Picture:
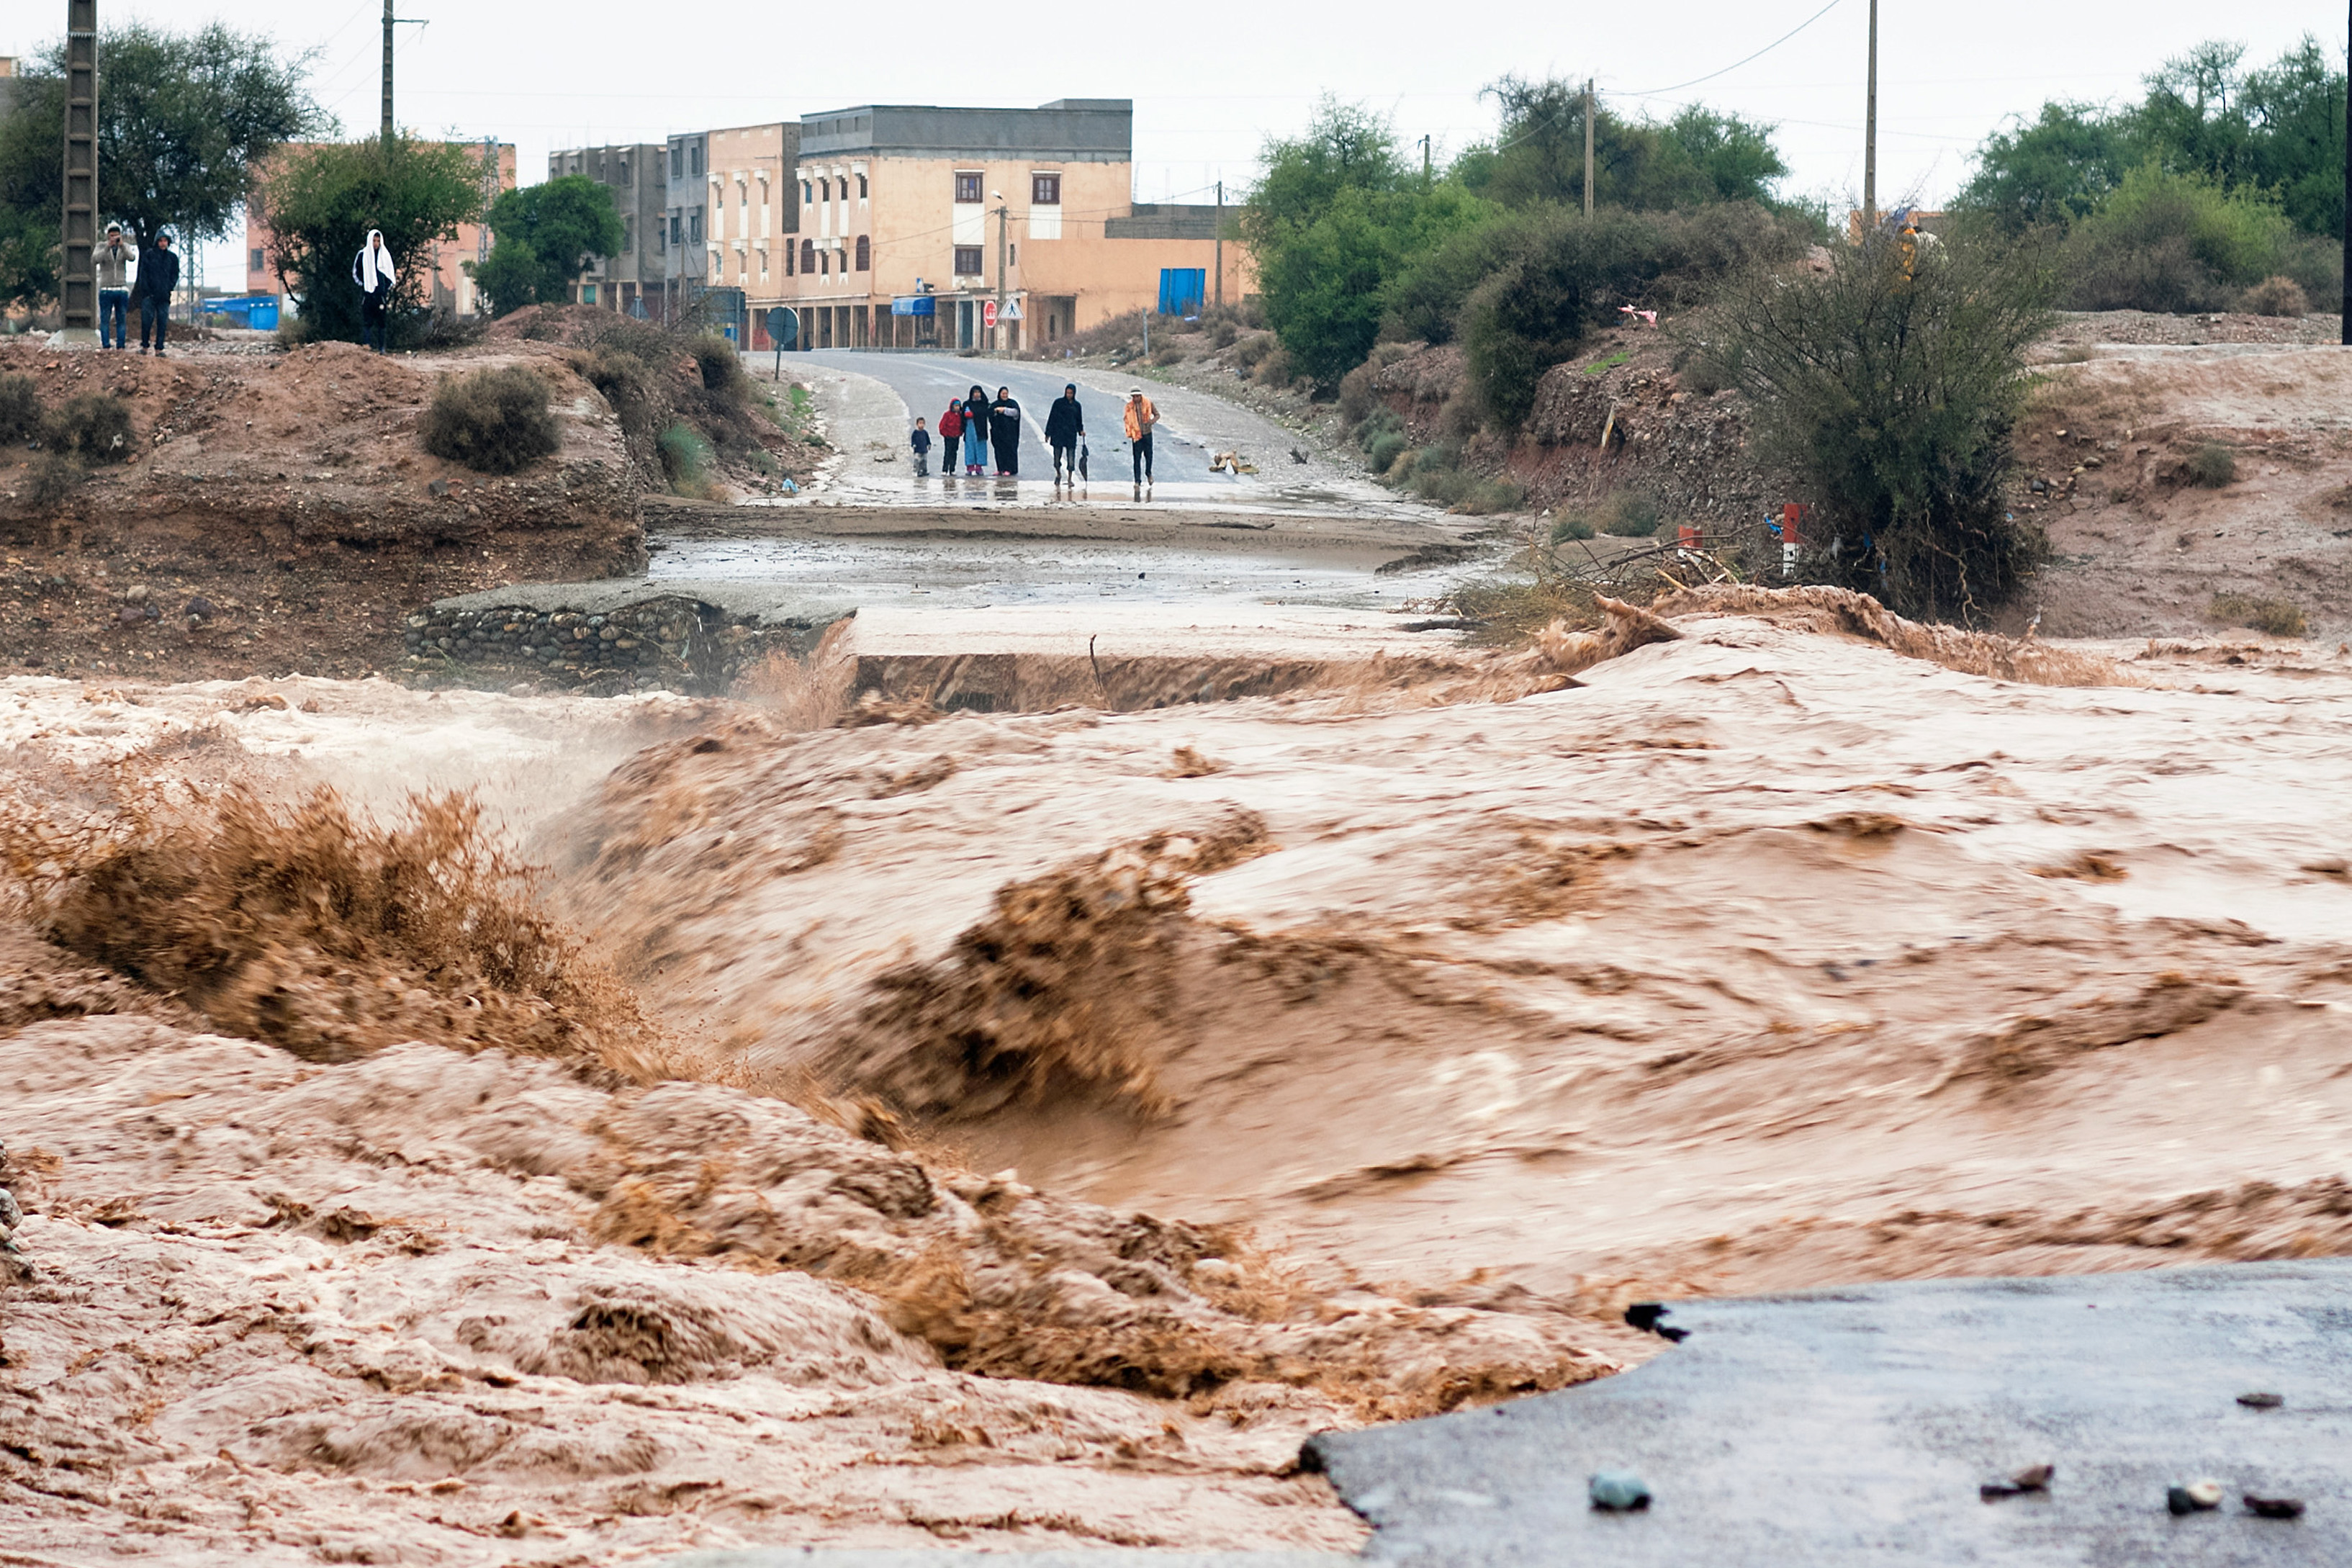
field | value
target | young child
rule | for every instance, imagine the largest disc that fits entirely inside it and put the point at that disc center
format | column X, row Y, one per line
column 952, row 432
column 921, row 441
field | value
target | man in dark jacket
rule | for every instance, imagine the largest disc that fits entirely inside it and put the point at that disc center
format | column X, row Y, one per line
column 159, row 275
column 1066, row 423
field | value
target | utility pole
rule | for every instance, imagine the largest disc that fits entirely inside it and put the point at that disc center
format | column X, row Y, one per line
column 390, row 21
column 1587, row 142
column 1004, row 222
column 1870, row 134
column 77, row 282
column 1424, row 163
column 1220, row 243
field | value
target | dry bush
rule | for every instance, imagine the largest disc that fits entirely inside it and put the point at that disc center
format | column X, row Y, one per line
column 2279, row 617
column 493, row 421
column 2276, row 297
column 95, row 427
column 319, row 930
column 20, row 410
column 2211, row 466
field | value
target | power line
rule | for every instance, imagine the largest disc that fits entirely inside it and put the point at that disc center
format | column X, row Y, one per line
column 1734, row 65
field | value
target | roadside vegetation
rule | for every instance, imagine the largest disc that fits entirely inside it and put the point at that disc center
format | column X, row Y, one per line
column 2221, row 187
column 546, row 234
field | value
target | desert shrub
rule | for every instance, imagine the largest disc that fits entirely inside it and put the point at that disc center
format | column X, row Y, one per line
column 1379, row 422
column 1252, row 349
column 1434, row 474
column 2210, row 465
column 95, row 428
column 1630, row 515
column 1168, row 352
column 49, row 481
column 1706, row 371
column 722, row 367
column 1359, row 394
column 20, row 410
column 1275, row 369
column 1570, row 527
column 1489, row 496
column 2165, row 241
column 493, row 421
column 316, row 929
column 1889, row 395
column 1381, row 455
column 2280, row 618
column 1222, row 333
column 686, row 459
column 2276, row 296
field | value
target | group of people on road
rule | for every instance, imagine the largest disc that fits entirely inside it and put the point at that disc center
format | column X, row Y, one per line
column 978, row 424
column 125, row 276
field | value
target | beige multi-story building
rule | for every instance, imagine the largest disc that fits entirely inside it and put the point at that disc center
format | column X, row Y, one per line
column 734, row 208
column 919, row 218
column 629, row 280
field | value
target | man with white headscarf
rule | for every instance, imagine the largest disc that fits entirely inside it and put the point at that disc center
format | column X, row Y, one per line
column 372, row 270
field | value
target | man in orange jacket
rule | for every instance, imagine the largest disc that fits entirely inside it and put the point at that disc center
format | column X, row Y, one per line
column 1140, row 417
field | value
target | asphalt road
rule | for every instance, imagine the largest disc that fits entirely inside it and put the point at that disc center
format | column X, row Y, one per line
column 928, row 382
column 1839, row 1428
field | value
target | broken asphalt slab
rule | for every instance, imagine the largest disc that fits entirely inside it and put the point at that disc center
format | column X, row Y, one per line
column 1855, row 1426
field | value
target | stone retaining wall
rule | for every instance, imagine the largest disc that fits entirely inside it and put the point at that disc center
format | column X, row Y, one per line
column 669, row 642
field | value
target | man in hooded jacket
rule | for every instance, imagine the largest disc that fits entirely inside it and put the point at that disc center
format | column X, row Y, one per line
column 1065, row 425
column 159, row 275
column 117, row 261
column 372, row 270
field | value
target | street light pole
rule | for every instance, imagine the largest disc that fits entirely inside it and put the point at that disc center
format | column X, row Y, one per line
column 1870, row 134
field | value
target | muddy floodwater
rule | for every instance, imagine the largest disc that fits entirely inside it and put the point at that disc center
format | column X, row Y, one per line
column 1023, row 1128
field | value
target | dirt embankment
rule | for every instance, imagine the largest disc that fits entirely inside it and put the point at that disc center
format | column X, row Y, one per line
column 2125, row 401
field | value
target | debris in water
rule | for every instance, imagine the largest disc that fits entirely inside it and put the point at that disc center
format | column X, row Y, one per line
column 2274, row 1507
column 1620, row 1490
column 2194, row 1498
column 2262, row 1401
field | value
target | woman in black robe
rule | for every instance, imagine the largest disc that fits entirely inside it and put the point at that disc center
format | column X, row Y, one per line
column 975, row 432
column 1004, row 433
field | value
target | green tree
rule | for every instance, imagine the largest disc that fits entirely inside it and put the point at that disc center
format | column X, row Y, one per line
column 1886, row 391
column 2279, row 130
column 1699, row 156
column 183, row 117
column 548, row 235
column 322, row 201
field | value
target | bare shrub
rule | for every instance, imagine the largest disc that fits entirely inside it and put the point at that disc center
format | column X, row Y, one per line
column 2211, row 466
column 20, row 410
column 95, row 428
column 1274, row 369
column 493, row 421
column 721, row 366
column 2276, row 296
column 2279, row 617
column 319, row 930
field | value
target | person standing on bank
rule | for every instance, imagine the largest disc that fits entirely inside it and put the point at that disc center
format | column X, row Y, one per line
column 1004, row 433
column 118, row 269
column 950, row 438
column 372, row 270
column 921, row 441
column 159, row 275
column 1140, row 417
column 975, row 433
column 1066, row 423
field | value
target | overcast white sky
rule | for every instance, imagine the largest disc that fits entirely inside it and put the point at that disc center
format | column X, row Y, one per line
column 1210, row 80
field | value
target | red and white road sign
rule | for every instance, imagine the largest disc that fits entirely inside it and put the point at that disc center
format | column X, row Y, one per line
column 988, row 313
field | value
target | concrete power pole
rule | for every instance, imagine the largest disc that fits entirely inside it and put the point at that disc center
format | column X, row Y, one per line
column 1003, row 223
column 1870, row 134
column 1221, row 243
column 388, row 20
column 78, row 282
column 1587, row 142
